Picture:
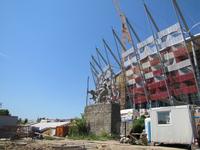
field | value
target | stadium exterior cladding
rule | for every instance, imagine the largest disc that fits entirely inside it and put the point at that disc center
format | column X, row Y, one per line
column 160, row 72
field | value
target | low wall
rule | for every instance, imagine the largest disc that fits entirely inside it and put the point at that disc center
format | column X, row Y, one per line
column 8, row 126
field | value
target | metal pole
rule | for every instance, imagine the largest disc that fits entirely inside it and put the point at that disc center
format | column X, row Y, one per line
column 87, row 90
column 118, row 62
column 195, row 66
column 122, row 62
column 178, row 11
column 95, row 70
column 138, row 62
column 97, row 64
column 104, row 60
column 158, row 52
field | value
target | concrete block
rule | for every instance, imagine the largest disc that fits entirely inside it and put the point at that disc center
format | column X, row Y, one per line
column 103, row 118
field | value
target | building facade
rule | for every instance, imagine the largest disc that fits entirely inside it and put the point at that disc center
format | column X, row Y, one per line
column 160, row 70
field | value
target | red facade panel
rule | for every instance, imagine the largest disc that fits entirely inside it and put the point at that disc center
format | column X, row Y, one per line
column 139, row 90
column 155, row 85
column 185, row 90
column 140, row 100
column 155, row 61
column 185, row 77
column 158, row 72
column 159, row 96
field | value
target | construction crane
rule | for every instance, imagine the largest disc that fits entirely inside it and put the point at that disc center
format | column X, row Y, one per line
column 124, row 38
column 125, row 33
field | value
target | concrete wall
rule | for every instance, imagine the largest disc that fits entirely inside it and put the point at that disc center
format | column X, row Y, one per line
column 103, row 118
column 8, row 121
column 8, row 126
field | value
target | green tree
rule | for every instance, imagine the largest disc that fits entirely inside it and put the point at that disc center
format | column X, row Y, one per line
column 25, row 121
column 4, row 112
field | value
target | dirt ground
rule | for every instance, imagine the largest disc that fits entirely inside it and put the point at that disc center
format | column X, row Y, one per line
column 66, row 144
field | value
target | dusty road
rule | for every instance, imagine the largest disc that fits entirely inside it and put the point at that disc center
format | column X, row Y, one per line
column 66, row 144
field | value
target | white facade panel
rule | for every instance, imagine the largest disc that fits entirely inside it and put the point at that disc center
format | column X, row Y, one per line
column 169, row 56
column 128, row 52
column 127, row 63
column 131, row 82
column 179, row 65
column 148, row 75
column 146, row 65
column 129, row 72
column 133, row 60
column 170, row 36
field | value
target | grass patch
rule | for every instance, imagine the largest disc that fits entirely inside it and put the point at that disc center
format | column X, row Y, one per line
column 49, row 138
column 52, row 138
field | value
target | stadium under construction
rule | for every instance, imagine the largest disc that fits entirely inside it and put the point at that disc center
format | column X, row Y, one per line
column 162, row 70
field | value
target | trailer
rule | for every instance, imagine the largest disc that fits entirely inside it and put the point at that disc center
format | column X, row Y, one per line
column 173, row 125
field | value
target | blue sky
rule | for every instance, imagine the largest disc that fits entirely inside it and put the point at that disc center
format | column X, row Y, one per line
column 45, row 47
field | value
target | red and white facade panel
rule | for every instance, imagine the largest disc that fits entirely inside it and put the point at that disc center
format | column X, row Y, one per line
column 171, row 78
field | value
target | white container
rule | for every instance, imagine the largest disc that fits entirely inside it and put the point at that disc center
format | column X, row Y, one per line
column 172, row 125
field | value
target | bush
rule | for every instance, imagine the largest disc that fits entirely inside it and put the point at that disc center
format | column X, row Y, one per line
column 78, row 127
column 138, row 125
column 80, row 130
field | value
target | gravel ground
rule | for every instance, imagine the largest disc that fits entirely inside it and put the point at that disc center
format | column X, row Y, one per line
column 66, row 144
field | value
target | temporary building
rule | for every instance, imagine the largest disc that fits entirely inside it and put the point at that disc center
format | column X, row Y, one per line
column 52, row 128
column 172, row 125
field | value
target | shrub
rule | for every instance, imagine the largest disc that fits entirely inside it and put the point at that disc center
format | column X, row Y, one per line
column 138, row 125
column 78, row 127
column 80, row 130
